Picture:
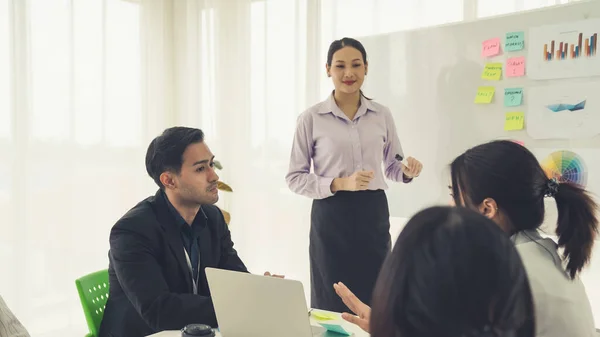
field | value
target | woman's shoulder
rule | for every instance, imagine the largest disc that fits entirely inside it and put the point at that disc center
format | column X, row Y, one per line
column 321, row 107
column 379, row 108
column 308, row 115
column 376, row 106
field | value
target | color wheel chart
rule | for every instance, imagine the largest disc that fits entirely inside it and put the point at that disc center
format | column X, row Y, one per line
column 566, row 166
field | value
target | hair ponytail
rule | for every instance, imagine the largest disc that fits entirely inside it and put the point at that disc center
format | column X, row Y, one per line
column 577, row 225
column 511, row 175
column 363, row 95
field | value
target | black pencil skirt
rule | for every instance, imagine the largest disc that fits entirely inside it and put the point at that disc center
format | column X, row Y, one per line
column 349, row 239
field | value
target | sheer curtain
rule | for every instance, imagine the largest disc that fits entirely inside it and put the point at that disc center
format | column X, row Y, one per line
column 85, row 85
column 72, row 138
column 240, row 74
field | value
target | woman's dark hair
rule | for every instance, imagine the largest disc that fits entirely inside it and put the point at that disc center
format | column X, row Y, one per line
column 452, row 273
column 511, row 175
column 347, row 42
column 165, row 152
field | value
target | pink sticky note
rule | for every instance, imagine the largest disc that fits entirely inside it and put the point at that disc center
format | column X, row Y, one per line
column 515, row 66
column 519, row 142
column 491, row 47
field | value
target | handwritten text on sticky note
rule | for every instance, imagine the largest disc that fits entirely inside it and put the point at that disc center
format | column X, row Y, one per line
column 515, row 41
column 484, row 95
column 335, row 328
column 492, row 71
column 514, row 121
column 490, row 47
column 513, row 96
column 515, row 66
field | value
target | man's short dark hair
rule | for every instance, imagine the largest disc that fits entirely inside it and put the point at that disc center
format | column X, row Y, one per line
column 165, row 152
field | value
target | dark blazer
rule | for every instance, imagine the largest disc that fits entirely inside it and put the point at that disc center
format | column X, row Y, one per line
column 150, row 281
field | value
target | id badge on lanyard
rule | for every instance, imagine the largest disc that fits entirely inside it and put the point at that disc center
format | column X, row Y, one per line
column 189, row 263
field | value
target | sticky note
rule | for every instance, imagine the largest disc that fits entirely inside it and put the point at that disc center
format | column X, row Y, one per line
column 492, row 71
column 514, row 121
column 515, row 66
column 490, row 47
column 519, row 142
column 484, row 95
column 513, row 96
column 514, row 41
column 321, row 316
column 335, row 328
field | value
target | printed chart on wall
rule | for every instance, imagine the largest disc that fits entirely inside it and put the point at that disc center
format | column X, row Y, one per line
column 576, row 165
column 564, row 50
column 564, row 111
column 566, row 166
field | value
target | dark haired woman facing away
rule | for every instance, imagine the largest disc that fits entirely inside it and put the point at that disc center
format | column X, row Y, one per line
column 346, row 138
column 452, row 273
column 503, row 181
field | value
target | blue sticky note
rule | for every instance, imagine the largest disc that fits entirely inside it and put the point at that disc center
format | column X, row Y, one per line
column 335, row 328
column 513, row 96
column 514, row 41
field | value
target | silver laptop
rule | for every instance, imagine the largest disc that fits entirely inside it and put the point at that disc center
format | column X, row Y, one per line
column 259, row 306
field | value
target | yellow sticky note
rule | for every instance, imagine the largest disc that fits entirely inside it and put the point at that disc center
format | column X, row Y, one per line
column 321, row 316
column 484, row 95
column 492, row 71
column 514, row 121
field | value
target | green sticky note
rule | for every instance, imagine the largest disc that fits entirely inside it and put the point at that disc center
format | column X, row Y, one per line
column 514, row 41
column 513, row 96
column 514, row 121
column 484, row 95
column 335, row 328
column 492, row 72
column 321, row 316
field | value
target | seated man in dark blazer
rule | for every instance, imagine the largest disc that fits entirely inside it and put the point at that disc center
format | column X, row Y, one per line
column 160, row 248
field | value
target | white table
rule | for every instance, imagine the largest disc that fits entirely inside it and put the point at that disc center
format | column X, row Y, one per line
column 357, row 332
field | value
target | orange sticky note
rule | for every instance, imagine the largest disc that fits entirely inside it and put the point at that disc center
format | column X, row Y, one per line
column 491, row 47
column 515, row 66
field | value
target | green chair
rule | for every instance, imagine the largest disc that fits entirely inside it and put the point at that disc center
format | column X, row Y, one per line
column 93, row 294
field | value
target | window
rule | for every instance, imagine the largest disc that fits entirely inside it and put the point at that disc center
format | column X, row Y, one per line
column 207, row 73
column 5, row 75
column 7, row 250
column 257, row 73
column 51, row 71
column 487, row 8
column 357, row 18
column 85, row 59
column 88, row 71
column 277, row 72
column 123, row 78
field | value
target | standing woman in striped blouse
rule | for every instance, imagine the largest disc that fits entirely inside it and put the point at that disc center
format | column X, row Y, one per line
column 347, row 137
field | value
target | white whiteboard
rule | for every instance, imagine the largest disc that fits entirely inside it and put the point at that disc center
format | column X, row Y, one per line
column 429, row 78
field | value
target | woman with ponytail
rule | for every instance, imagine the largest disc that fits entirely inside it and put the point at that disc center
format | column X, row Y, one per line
column 504, row 181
